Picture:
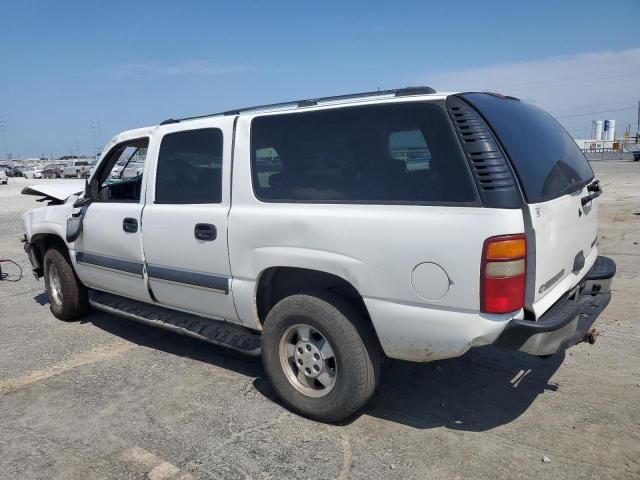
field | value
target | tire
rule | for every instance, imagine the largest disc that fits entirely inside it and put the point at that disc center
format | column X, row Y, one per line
column 67, row 297
column 356, row 364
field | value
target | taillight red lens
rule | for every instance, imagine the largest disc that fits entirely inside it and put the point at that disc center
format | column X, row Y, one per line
column 503, row 274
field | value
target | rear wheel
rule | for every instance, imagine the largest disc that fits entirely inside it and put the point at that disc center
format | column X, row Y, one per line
column 67, row 295
column 320, row 355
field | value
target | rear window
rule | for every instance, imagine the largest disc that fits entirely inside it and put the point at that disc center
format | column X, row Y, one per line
column 399, row 153
column 547, row 160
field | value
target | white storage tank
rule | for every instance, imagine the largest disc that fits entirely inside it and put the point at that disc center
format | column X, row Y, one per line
column 610, row 128
column 597, row 130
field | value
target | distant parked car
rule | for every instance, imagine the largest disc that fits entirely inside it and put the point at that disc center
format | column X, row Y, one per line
column 31, row 172
column 13, row 171
column 53, row 170
column 3, row 177
column 636, row 155
column 77, row 168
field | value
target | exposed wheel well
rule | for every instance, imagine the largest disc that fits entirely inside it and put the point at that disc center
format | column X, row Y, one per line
column 42, row 243
column 277, row 283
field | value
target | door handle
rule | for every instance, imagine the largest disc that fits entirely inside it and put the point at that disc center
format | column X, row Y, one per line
column 205, row 231
column 130, row 225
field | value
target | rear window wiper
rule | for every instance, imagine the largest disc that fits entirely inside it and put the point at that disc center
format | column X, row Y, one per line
column 596, row 191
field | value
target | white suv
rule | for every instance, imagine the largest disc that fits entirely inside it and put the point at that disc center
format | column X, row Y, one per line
column 327, row 233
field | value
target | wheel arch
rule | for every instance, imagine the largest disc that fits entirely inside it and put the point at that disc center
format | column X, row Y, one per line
column 277, row 282
column 43, row 242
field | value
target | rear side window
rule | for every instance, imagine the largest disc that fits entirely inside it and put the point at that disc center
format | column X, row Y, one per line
column 397, row 153
column 190, row 167
column 548, row 162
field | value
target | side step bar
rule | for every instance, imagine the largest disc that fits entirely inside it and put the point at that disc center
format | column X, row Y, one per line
column 217, row 332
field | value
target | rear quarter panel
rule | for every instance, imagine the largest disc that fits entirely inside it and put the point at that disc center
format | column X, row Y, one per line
column 375, row 248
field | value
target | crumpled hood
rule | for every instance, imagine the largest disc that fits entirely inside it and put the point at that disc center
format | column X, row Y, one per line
column 57, row 190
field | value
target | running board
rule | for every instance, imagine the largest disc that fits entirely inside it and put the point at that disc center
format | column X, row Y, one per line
column 217, row 332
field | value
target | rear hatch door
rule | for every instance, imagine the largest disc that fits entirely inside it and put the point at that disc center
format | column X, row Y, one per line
column 557, row 183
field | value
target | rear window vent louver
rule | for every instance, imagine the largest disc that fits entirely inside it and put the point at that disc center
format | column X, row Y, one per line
column 490, row 168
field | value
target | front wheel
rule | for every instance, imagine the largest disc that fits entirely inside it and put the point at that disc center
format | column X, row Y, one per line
column 320, row 355
column 67, row 296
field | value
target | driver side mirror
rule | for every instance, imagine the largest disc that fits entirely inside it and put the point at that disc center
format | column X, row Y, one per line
column 74, row 223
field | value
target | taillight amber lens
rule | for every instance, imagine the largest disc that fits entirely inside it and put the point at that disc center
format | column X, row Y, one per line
column 503, row 274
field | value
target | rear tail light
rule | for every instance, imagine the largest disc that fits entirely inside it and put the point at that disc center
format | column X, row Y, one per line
column 503, row 274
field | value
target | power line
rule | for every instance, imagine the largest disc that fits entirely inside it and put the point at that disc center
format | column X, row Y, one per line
column 595, row 113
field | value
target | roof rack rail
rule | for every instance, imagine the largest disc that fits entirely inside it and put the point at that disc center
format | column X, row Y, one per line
column 408, row 91
column 398, row 92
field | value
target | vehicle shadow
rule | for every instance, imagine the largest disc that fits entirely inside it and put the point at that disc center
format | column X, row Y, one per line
column 42, row 298
column 485, row 388
column 174, row 344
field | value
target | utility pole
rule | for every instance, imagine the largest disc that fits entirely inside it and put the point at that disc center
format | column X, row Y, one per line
column 3, row 126
column 93, row 137
column 638, row 130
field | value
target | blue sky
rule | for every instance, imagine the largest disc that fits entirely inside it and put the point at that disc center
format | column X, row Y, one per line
column 64, row 65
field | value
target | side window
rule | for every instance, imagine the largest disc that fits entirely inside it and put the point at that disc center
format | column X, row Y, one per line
column 397, row 153
column 130, row 163
column 121, row 180
column 410, row 147
column 190, row 167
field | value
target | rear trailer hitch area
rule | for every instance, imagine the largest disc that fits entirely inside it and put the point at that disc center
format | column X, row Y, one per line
column 569, row 321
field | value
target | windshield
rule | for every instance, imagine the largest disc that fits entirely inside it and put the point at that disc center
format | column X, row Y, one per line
column 547, row 160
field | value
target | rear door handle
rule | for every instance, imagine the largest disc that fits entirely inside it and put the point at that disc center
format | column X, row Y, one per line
column 206, row 232
column 130, row 225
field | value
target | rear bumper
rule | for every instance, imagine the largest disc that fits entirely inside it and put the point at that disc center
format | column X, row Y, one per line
column 568, row 321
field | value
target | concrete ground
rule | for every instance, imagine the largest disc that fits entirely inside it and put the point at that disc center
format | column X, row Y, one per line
column 110, row 399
